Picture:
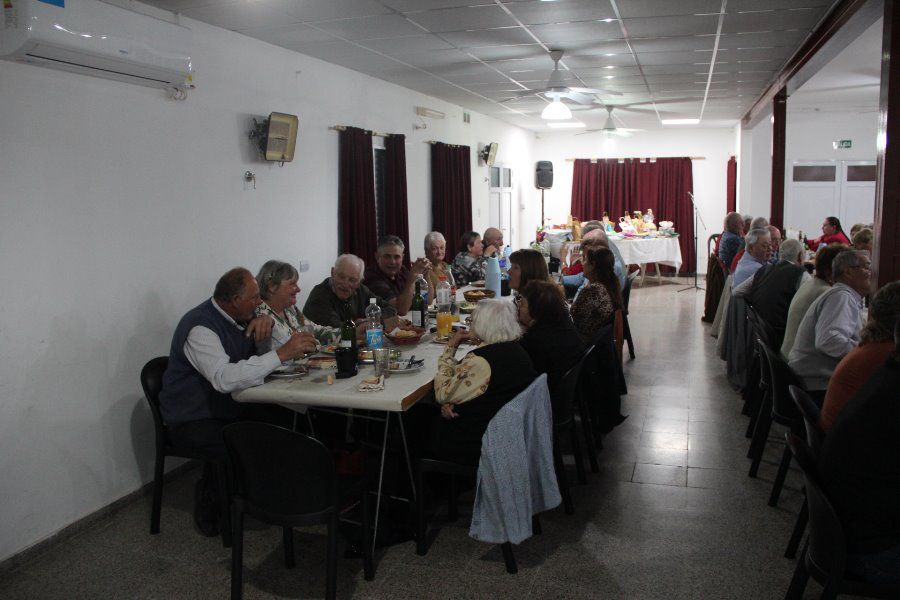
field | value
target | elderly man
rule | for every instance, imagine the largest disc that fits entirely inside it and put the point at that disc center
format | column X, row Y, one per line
column 492, row 241
column 757, row 223
column 775, row 234
column 593, row 231
column 388, row 278
column 213, row 354
column 343, row 296
column 831, row 326
column 758, row 244
column 772, row 288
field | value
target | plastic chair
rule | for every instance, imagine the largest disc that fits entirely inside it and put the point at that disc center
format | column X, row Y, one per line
column 288, row 479
column 151, row 381
column 814, row 438
column 825, row 554
column 781, row 410
column 563, row 399
column 626, row 296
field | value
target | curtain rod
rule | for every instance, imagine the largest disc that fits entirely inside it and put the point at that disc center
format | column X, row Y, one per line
column 432, row 142
column 652, row 158
column 344, row 128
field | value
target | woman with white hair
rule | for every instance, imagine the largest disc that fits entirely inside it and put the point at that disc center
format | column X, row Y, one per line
column 436, row 252
column 471, row 391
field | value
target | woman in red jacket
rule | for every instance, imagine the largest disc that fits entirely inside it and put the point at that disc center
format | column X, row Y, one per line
column 831, row 234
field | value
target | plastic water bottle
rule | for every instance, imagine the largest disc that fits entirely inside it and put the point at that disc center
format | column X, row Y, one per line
column 492, row 275
column 374, row 330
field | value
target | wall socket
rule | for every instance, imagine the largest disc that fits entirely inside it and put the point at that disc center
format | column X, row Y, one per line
column 303, row 266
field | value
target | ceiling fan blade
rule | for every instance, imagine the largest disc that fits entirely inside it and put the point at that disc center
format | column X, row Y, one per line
column 522, row 94
column 588, row 131
column 579, row 97
column 604, row 91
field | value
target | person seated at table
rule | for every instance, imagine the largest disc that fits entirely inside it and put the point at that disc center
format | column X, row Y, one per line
column 876, row 342
column 747, row 226
column 864, row 239
column 758, row 250
column 213, row 354
column 732, row 239
column 469, row 265
column 597, row 303
column 550, row 337
column 775, row 234
column 757, row 223
column 772, row 288
column 472, row 390
column 592, row 231
column 831, row 234
column 343, row 296
column 856, row 228
column 830, row 328
column 435, row 252
column 807, row 294
column 860, row 467
column 278, row 288
column 526, row 265
column 389, row 278
column 492, row 241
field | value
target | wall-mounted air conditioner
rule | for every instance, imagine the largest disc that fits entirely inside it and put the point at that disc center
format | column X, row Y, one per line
column 93, row 38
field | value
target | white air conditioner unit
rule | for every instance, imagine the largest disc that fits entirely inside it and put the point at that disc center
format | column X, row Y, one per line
column 93, row 38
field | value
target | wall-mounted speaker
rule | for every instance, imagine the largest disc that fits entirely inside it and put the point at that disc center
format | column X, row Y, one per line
column 543, row 175
column 488, row 154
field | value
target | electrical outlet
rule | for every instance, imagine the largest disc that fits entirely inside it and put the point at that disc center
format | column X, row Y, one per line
column 303, row 266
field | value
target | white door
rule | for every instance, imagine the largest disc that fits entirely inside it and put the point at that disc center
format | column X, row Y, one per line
column 857, row 193
column 815, row 193
column 500, row 199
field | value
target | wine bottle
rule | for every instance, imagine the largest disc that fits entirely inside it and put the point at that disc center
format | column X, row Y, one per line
column 417, row 309
column 348, row 333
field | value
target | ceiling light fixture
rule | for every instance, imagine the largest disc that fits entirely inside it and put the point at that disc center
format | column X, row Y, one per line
column 566, row 125
column 610, row 54
column 680, row 121
column 607, row 20
column 556, row 111
column 609, row 67
column 610, row 77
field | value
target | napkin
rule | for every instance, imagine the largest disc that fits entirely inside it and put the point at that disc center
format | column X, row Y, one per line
column 372, row 384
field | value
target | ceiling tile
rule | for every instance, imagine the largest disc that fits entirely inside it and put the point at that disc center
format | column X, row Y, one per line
column 578, row 31
column 672, row 58
column 462, row 19
column 239, row 15
column 594, row 48
column 756, row 5
column 668, row 26
column 322, row 10
column 776, row 20
column 540, row 63
column 674, row 44
column 489, row 37
column 766, row 38
column 433, row 59
column 325, row 50
column 676, row 68
column 538, row 13
column 664, row 8
column 420, row 5
column 618, row 73
column 587, row 61
column 368, row 28
column 779, row 54
column 407, row 45
column 288, row 35
column 508, row 52
column 368, row 63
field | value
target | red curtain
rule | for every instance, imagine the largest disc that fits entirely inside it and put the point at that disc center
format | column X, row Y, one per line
column 356, row 194
column 731, row 192
column 618, row 186
column 451, row 193
column 396, row 211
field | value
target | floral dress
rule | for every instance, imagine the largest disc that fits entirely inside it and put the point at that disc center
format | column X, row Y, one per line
column 467, row 268
column 284, row 327
column 458, row 382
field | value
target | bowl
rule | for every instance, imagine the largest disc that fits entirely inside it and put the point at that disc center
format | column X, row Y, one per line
column 408, row 336
column 476, row 295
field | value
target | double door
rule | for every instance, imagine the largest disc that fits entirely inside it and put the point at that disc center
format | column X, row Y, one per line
column 500, row 202
column 817, row 189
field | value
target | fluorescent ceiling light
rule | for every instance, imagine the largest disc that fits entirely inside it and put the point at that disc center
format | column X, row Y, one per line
column 607, row 20
column 556, row 111
column 610, row 77
column 610, row 54
column 680, row 121
column 609, row 67
column 566, row 125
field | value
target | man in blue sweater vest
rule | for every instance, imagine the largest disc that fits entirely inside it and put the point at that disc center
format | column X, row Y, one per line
column 213, row 354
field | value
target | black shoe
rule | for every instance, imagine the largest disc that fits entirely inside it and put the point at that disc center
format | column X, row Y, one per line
column 206, row 513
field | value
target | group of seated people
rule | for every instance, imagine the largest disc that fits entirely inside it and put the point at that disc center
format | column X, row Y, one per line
column 846, row 362
column 251, row 325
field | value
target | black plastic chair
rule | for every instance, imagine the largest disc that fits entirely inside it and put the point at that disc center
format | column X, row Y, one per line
column 584, row 413
column 563, row 397
column 814, row 438
column 626, row 296
column 151, row 381
column 777, row 407
column 825, row 553
column 288, row 479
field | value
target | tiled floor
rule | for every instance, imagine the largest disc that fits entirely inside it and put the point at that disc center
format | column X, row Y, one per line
column 671, row 514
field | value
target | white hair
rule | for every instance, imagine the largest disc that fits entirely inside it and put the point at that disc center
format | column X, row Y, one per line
column 350, row 259
column 759, row 223
column 754, row 236
column 790, row 251
column 847, row 259
column 495, row 320
column 431, row 238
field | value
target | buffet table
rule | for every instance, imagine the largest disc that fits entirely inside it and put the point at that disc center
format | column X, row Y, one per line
column 643, row 251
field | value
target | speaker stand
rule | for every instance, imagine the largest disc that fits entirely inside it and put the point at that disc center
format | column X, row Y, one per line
column 542, row 209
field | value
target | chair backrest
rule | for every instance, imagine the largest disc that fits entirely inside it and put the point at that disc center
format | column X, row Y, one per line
column 626, row 291
column 563, row 393
column 781, row 375
column 827, row 543
column 810, row 412
column 279, row 471
column 711, row 242
column 151, row 381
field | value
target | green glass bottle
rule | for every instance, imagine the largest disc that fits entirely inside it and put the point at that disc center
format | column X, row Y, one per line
column 417, row 310
column 348, row 332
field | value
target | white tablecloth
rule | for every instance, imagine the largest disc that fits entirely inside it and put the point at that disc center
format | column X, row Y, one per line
column 664, row 251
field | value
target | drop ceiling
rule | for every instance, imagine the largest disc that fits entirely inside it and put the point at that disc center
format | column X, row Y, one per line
column 704, row 59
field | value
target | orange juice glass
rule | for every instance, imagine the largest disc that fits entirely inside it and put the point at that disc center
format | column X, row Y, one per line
column 444, row 324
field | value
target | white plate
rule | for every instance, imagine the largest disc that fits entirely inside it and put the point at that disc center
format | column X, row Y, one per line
column 289, row 372
column 403, row 371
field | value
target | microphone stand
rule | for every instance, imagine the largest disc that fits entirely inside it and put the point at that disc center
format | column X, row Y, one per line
column 696, row 248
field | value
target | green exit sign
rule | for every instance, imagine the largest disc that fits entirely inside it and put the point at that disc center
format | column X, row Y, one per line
column 840, row 144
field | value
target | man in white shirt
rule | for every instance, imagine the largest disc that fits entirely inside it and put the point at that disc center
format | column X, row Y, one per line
column 759, row 250
column 830, row 328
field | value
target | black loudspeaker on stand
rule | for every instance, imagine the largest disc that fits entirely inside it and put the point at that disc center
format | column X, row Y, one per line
column 543, row 180
column 696, row 253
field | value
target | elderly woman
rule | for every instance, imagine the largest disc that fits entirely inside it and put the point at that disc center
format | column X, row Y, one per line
column 864, row 239
column 435, row 252
column 526, row 266
column 550, row 338
column 732, row 239
column 278, row 289
column 597, row 302
column 469, row 264
column 472, row 390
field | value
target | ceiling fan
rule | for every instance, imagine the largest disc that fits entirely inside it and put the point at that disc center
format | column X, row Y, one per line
column 556, row 88
column 609, row 128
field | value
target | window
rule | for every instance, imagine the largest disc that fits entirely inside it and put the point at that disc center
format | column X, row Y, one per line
column 860, row 172
column 815, row 173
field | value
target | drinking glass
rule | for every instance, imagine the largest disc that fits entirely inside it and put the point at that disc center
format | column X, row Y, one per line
column 382, row 357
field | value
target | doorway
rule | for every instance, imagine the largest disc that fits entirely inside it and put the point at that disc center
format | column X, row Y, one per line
column 818, row 189
column 500, row 197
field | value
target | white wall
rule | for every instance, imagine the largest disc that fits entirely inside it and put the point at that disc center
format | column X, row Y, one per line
column 756, row 170
column 120, row 209
column 710, row 174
